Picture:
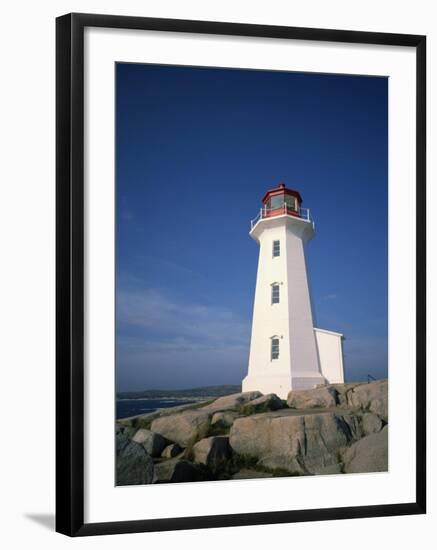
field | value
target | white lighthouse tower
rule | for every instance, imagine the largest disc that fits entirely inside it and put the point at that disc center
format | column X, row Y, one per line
column 286, row 351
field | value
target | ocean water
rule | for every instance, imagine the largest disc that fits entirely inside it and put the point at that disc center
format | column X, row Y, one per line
column 132, row 407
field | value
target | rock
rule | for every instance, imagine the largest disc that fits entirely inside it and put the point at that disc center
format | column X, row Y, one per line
column 232, row 402
column 171, row 451
column 321, row 397
column 371, row 423
column 179, row 408
column 369, row 454
column 139, row 421
column 223, row 419
column 342, row 391
column 372, row 397
column 286, row 465
column 212, row 451
column 184, row 428
column 128, row 431
column 178, row 470
column 294, row 442
column 134, row 465
column 265, row 403
column 153, row 443
column 144, row 420
column 329, row 464
column 335, row 468
column 121, row 440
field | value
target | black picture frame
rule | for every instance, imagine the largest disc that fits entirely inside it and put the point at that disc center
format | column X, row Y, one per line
column 70, row 273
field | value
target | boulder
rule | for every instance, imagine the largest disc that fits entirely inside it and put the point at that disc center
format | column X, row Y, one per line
column 134, row 466
column 315, row 398
column 371, row 423
column 177, row 470
column 224, row 419
column 179, row 408
column 296, row 443
column 372, row 397
column 121, row 440
column 212, row 451
column 153, row 443
column 171, row 451
column 288, row 465
column 128, row 431
column 342, row 392
column 369, row 454
column 265, row 403
column 232, row 402
column 144, row 420
column 183, row 428
column 139, row 421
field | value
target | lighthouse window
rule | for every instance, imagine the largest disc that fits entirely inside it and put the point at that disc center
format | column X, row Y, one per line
column 274, row 353
column 275, row 294
column 276, row 248
column 290, row 201
column 276, row 202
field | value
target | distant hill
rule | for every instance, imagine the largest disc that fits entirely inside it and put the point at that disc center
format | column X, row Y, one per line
column 206, row 391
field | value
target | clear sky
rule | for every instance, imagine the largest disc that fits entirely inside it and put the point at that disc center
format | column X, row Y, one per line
column 196, row 149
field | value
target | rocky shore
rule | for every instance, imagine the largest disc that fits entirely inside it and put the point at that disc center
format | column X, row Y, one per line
column 340, row 428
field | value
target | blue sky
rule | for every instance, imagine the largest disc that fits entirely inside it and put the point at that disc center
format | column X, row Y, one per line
column 196, row 149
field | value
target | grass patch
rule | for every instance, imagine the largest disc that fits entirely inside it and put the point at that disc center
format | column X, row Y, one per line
column 249, row 409
column 194, row 406
column 141, row 423
column 218, row 430
column 244, row 462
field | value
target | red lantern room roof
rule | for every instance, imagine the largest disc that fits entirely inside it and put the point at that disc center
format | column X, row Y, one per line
column 281, row 190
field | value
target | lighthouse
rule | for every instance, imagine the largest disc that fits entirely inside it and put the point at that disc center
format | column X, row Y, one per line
column 286, row 351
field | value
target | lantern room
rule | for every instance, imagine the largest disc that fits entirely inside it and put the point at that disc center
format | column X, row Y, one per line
column 281, row 200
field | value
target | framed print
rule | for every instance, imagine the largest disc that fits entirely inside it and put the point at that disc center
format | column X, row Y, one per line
column 240, row 274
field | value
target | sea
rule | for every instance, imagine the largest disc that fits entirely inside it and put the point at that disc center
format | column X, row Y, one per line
column 133, row 407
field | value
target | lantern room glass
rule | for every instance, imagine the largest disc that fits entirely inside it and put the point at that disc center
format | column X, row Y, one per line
column 290, row 201
column 279, row 201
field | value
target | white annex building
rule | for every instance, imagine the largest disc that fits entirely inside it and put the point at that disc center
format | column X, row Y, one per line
column 286, row 350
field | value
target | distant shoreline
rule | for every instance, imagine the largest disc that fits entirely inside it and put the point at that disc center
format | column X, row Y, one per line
column 204, row 392
column 139, row 406
column 169, row 398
